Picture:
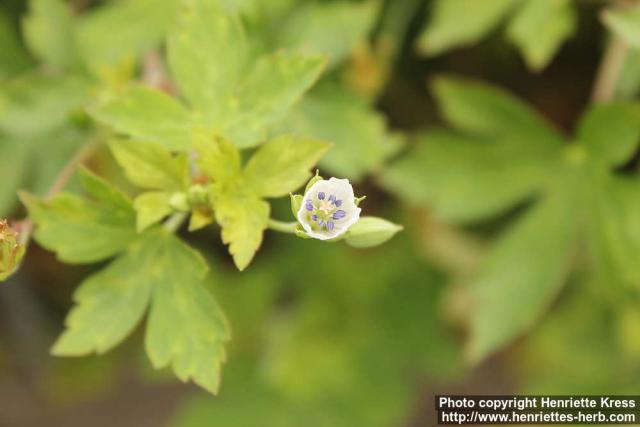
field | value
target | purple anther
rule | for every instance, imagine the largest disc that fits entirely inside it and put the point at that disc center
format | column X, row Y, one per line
column 339, row 214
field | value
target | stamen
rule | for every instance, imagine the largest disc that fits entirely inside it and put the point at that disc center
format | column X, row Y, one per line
column 321, row 195
column 332, row 198
column 330, row 225
column 338, row 203
column 309, row 205
column 339, row 214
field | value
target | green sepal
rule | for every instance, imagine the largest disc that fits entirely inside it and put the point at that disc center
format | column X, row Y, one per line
column 296, row 203
column 313, row 180
column 359, row 200
column 301, row 233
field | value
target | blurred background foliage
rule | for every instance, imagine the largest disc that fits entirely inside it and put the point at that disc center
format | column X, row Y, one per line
column 470, row 122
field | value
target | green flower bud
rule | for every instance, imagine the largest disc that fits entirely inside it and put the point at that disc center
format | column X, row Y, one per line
column 371, row 231
column 198, row 195
column 11, row 252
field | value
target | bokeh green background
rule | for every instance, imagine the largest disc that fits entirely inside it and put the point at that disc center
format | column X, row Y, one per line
column 323, row 334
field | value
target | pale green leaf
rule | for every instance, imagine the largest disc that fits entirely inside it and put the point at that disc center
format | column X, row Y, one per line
column 243, row 218
column 150, row 165
column 81, row 230
column 48, row 31
column 463, row 178
column 150, row 208
column 207, row 55
column 186, row 328
column 610, row 132
column 333, row 29
column 485, row 109
column 200, row 218
column 272, row 86
column 148, row 114
column 361, row 141
column 101, row 191
column 521, row 276
column 282, row 165
column 121, row 31
column 625, row 23
column 456, row 23
column 540, row 28
column 109, row 304
column 218, row 159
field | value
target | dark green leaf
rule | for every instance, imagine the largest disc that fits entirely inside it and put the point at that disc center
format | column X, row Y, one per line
column 463, row 178
column 611, row 132
column 485, row 109
column 521, row 275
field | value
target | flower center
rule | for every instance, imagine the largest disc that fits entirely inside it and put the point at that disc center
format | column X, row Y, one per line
column 324, row 212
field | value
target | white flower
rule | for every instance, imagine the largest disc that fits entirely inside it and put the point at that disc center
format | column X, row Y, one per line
column 328, row 209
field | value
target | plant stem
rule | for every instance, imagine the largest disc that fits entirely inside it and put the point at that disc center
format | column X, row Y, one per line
column 175, row 221
column 283, row 227
column 69, row 169
column 610, row 68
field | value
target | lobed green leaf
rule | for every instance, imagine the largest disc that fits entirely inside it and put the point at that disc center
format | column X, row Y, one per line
column 361, row 141
column 148, row 114
column 151, row 207
column 456, row 23
column 207, row 55
column 140, row 24
column 110, row 303
column 539, row 29
column 488, row 110
column 521, row 275
column 610, row 132
column 49, row 33
column 186, row 328
column 150, row 165
column 272, row 86
column 333, row 29
column 463, row 178
column 282, row 165
column 243, row 218
column 81, row 230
